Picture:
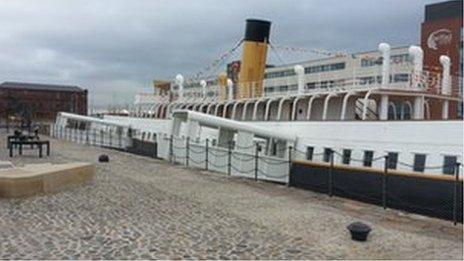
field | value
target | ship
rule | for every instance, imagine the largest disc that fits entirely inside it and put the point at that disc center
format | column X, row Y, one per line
column 398, row 107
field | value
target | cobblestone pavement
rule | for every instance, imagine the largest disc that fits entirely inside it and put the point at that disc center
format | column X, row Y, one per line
column 139, row 207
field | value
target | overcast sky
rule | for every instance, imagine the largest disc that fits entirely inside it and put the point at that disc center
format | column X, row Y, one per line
column 116, row 48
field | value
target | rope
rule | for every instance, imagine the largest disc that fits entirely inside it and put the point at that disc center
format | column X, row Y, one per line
column 250, row 158
column 269, row 161
column 218, row 154
column 197, row 162
column 270, row 176
column 241, row 171
column 217, row 166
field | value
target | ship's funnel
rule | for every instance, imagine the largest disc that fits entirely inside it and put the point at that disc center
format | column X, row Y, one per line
column 250, row 80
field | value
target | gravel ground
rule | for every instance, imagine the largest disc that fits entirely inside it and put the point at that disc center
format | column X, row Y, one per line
column 138, row 207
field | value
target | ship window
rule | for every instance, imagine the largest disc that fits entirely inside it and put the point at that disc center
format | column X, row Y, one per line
column 327, row 152
column 346, row 156
column 368, row 156
column 392, row 160
column 419, row 162
column 309, row 153
column 401, row 77
column 449, row 164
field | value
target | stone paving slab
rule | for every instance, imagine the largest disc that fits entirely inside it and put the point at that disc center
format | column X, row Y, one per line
column 138, row 207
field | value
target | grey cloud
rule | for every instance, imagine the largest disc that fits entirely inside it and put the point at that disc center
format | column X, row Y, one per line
column 116, row 48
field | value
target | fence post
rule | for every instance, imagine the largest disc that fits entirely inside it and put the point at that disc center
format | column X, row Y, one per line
column 384, row 183
column 206, row 154
column 229, row 163
column 187, row 151
column 111, row 137
column 331, row 172
column 87, row 136
column 120, row 140
column 290, row 148
column 94, row 137
column 256, row 161
column 170, row 149
column 455, row 194
column 80, row 135
column 101, row 138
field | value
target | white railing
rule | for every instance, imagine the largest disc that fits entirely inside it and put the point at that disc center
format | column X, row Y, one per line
column 91, row 137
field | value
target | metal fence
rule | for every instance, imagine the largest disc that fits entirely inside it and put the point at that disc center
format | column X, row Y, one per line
column 226, row 158
column 91, row 137
column 420, row 193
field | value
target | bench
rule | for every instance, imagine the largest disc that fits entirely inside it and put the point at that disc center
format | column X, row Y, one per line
column 39, row 143
column 21, row 137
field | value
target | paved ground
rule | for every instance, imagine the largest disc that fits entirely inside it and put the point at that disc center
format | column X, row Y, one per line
column 139, row 207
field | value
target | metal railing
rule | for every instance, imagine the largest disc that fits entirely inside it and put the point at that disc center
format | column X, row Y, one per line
column 385, row 198
column 228, row 158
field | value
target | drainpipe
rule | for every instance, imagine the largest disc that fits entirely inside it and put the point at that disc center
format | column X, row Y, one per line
column 384, row 48
column 418, row 57
column 445, row 84
column 299, row 70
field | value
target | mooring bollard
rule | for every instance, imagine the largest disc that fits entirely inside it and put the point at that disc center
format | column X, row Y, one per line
column 359, row 231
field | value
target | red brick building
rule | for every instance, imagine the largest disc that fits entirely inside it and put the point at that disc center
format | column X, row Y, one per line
column 31, row 102
column 442, row 34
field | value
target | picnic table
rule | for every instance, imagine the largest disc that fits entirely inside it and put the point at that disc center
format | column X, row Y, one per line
column 19, row 144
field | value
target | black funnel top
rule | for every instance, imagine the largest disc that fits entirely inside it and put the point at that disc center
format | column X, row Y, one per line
column 257, row 30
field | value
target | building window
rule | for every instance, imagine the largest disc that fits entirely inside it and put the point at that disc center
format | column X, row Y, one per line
column 368, row 156
column 309, row 153
column 392, row 160
column 346, row 156
column 449, row 164
column 325, row 68
column 419, row 162
column 327, row 153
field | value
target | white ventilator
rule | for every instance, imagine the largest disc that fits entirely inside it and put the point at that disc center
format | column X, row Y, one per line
column 180, row 83
column 299, row 71
column 203, row 88
column 418, row 57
